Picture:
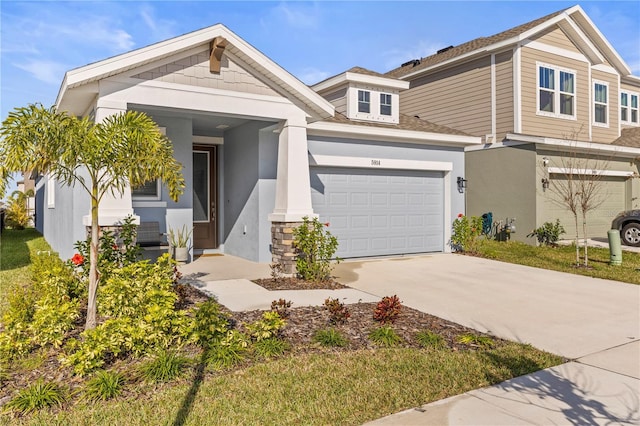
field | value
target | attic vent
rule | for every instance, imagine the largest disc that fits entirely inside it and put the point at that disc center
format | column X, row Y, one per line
column 412, row 62
column 444, row 49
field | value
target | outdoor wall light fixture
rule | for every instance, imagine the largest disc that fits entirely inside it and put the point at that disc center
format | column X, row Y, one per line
column 545, row 183
column 462, row 184
column 545, row 161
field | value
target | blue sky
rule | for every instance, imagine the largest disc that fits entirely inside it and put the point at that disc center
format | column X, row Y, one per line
column 39, row 41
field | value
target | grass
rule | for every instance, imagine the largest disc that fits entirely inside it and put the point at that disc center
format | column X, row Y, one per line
column 315, row 389
column 16, row 250
column 563, row 259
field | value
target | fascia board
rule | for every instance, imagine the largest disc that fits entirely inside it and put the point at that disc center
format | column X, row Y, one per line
column 593, row 53
column 630, row 79
column 601, row 41
column 566, row 145
column 352, row 77
column 379, row 133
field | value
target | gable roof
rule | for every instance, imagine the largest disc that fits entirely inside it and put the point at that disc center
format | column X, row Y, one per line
column 360, row 75
column 572, row 19
column 241, row 51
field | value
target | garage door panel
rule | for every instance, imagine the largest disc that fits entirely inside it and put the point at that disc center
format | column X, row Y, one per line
column 611, row 198
column 380, row 212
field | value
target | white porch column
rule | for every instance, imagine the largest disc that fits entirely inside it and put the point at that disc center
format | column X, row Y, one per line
column 293, row 188
column 113, row 208
column 293, row 193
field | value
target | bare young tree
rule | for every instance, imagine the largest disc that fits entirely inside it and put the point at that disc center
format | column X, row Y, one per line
column 580, row 189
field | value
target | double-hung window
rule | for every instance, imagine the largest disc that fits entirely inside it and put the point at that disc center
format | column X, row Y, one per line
column 556, row 92
column 364, row 101
column 600, row 103
column 629, row 107
column 385, row 104
column 150, row 190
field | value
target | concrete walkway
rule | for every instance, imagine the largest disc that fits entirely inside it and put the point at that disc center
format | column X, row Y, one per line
column 593, row 322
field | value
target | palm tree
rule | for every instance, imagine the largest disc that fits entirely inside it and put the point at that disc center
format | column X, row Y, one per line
column 124, row 149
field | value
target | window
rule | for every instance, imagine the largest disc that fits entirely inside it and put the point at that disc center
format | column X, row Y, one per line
column 385, row 104
column 556, row 92
column 149, row 191
column 600, row 103
column 51, row 192
column 364, row 101
column 629, row 108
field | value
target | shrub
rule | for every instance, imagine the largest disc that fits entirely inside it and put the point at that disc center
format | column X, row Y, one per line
column 338, row 312
column 281, row 306
column 548, row 234
column 17, row 214
column 266, row 328
column 330, row 337
column 229, row 352
column 315, row 248
column 164, row 367
column 466, row 232
column 210, row 324
column 270, row 347
column 429, row 339
column 476, row 340
column 388, row 309
column 52, row 320
column 104, row 385
column 39, row 395
column 385, row 336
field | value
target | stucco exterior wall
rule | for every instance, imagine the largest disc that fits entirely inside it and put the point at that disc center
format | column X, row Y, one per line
column 503, row 181
column 249, row 190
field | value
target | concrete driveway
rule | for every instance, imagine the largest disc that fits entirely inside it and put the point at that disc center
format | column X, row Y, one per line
column 592, row 321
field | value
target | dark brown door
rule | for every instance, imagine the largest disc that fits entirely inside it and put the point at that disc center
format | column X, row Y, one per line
column 205, row 200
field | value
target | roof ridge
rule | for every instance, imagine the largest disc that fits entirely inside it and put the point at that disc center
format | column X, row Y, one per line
column 471, row 45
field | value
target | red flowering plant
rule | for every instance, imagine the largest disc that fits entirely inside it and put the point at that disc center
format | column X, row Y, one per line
column 77, row 259
column 466, row 232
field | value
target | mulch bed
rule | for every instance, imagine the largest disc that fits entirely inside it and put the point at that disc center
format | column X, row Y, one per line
column 293, row 283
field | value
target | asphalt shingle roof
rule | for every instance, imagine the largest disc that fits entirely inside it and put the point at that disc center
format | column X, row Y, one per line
column 469, row 46
column 629, row 137
column 407, row 122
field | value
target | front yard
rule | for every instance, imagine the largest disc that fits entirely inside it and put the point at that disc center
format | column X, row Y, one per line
column 309, row 384
column 563, row 259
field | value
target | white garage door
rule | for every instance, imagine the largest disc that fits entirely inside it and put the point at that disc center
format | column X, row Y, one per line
column 380, row 212
column 610, row 199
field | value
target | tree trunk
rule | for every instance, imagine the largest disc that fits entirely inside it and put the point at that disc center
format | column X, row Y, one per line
column 93, row 263
column 575, row 216
column 584, row 230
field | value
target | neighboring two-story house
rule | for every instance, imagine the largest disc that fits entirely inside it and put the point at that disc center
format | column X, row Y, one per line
column 544, row 96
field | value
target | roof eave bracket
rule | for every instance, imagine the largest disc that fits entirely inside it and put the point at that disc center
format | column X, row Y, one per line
column 216, row 49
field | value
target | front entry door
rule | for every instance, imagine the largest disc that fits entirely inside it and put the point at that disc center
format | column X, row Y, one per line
column 205, row 198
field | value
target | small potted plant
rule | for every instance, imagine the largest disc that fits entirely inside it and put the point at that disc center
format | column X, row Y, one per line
column 179, row 242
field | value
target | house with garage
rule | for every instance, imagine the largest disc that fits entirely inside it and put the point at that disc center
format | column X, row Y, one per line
column 544, row 97
column 260, row 150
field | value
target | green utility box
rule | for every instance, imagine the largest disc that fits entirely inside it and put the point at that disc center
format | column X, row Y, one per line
column 615, row 248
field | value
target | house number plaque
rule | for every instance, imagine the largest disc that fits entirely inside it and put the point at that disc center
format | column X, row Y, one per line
column 375, row 162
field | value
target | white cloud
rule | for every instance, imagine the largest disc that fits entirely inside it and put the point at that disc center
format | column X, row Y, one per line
column 396, row 57
column 312, row 75
column 161, row 29
column 50, row 72
column 299, row 15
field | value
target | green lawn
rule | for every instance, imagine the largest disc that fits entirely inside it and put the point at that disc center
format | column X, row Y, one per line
column 16, row 250
column 563, row 259
column 313, row 389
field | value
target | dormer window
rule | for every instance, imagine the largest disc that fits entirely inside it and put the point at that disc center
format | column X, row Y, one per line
column 364, row 101
column 385, row 104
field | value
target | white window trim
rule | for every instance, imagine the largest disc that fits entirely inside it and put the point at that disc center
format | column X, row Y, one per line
column 606, row 104
column 556, row 91
column 51, row 192
column 156, row 197
column 390, row 104
column 374, row 104
column 628, row 122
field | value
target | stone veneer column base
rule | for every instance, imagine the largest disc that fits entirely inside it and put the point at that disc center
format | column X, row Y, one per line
column 282, row 245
